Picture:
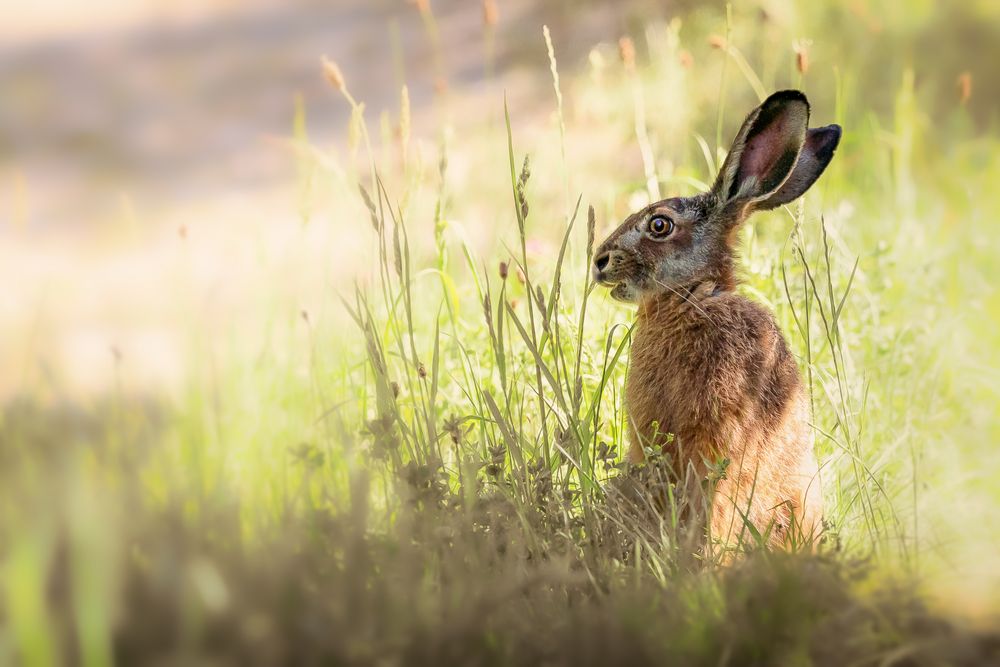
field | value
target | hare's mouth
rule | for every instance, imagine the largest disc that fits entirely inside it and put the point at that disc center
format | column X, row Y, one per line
column 603, row 278
column 624, row 292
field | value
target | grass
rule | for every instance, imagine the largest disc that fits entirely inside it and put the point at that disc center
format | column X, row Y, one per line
column 426, row 467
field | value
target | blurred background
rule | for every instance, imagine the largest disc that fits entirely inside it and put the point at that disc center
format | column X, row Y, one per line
column 180, row 219
column 125, row 125
column 128, row 125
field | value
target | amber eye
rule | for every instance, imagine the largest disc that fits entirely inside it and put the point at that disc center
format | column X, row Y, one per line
column 661, row 226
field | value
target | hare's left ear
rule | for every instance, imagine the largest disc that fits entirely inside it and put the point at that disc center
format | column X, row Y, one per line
column 766, row 150
column 816, row 153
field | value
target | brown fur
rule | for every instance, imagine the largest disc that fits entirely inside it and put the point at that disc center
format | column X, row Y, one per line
column 711, row 378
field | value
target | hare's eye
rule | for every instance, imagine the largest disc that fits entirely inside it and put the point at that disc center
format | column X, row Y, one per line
column 661, row 225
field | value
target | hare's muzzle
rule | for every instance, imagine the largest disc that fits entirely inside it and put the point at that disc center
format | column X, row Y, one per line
column 599, row 269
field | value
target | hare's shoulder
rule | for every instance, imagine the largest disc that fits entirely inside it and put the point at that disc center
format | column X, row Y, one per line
column 752, row 346
column 734, row 319
column 723, row 338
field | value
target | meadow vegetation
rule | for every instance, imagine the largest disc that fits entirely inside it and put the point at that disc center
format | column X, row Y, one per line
column 426, row 466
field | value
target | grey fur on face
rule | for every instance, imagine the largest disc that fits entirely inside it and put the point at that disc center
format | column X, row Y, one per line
column 774, row 159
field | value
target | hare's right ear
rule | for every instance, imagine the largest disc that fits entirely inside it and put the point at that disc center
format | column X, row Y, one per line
column 765, row 151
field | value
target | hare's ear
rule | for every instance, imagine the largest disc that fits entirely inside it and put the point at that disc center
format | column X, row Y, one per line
column 817, row 152
column 765, row 151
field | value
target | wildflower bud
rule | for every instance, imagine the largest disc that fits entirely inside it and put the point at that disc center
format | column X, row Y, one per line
column 333, row 74
column 717, row 41
column 421, row 370
column 490, row 14
column 503, row 270
column 626, row 49
column 686, row 59
column 520, row 276
column 395, row 389
column 964, row 87
column 304, row 314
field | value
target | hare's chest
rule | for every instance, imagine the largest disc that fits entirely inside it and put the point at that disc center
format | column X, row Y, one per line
column 658, row 392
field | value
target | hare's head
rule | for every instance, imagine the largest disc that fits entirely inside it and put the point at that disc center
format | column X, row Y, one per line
column 677, row 243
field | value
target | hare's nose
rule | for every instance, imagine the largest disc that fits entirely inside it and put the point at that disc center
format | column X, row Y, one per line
column 601, row 261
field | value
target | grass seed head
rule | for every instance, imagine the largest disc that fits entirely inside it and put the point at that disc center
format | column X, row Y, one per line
column 404, row 120
column 626, row 49
column 591, row 229
column 490, row 14
column 801, row 48
column 334, row 75
column 964, row 87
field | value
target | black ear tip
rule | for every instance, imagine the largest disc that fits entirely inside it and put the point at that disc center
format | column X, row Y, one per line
column 786, row 96
column 834, row 130
column 824, row 140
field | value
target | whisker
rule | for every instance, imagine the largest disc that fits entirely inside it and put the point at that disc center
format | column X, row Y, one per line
column 685, row 297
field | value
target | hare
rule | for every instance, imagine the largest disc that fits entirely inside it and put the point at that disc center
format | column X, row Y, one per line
column 710, row 375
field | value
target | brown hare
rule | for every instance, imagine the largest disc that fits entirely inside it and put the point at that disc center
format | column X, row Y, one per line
column 710, row 376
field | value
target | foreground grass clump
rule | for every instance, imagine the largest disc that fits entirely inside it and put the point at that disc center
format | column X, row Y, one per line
column 427, row 468
column 458, row 579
